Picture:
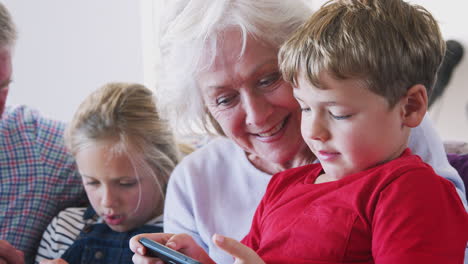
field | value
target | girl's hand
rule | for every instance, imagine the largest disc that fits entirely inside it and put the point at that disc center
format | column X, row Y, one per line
column 180, row 242
column 53, row 261
column 140, row 250
column 241, row 253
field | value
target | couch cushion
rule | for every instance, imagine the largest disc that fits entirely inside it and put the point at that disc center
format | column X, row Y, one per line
column 460, row 163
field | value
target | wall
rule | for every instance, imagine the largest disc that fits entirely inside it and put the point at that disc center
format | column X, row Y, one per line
column 449, row 113
column 68, row 48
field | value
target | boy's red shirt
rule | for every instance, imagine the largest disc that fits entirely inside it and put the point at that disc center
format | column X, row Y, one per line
column 399, row 212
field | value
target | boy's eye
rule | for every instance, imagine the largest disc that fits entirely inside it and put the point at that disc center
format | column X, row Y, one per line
column 305, row 109
column 92, row 183
column 339, row 117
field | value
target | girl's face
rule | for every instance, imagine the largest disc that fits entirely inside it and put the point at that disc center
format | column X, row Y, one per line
column 122, row 198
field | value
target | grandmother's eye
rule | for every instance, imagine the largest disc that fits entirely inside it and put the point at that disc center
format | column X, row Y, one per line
column 269, row 79
column 224, row 100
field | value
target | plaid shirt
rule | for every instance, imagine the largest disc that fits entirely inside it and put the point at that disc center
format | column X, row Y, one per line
column 37, row 177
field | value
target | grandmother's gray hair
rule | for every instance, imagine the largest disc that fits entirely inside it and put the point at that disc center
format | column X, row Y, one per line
column 190, row 31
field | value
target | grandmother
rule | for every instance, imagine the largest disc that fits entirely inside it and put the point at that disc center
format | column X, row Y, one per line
column 220, row 72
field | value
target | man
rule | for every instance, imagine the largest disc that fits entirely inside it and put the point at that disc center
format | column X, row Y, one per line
column 38, row 178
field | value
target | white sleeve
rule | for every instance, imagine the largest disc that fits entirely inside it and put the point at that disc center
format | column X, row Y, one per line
column 179, row 214
column 60, row 234
column 47, row 248
column 426, row 143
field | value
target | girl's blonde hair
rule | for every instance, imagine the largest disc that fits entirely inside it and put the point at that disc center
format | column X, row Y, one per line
column 126, row 115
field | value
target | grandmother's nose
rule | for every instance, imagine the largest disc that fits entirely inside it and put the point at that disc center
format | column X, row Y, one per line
column 257, row 109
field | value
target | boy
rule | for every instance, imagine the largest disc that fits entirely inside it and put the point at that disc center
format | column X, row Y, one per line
column 361, row 71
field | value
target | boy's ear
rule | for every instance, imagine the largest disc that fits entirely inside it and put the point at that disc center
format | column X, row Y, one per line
column 414, row 105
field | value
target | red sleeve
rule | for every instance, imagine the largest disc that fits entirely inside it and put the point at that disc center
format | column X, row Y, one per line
column 419, row 218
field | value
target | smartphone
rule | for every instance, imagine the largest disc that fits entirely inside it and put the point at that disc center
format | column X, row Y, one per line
column 166, row 254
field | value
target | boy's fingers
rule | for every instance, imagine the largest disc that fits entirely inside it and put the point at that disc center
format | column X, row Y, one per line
column 185, row 244
column 242, row 253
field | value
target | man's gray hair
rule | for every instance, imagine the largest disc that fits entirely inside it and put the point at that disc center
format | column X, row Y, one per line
column 7, row 28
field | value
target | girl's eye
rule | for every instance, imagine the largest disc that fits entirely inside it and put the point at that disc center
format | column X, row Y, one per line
column 92, row 183
column 339, row 117
column 269, row 79
column 128, row 184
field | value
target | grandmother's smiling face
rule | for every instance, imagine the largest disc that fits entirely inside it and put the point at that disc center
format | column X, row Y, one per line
column 250, row 101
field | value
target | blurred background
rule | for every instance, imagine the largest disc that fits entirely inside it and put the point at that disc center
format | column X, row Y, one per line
column 68, row 48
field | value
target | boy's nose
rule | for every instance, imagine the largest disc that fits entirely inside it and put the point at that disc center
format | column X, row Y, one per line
column 315, row 129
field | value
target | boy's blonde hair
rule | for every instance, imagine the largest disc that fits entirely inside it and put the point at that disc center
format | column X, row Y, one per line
column 389, row 44
column 125, row 115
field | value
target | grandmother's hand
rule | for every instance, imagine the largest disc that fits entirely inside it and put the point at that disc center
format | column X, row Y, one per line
column 242, row 253
column 180, row 242
column 9, row 254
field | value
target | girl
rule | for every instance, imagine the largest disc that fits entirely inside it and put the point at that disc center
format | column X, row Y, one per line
column 125, row 154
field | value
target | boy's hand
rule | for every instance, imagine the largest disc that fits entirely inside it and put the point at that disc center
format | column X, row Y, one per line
column 241, row 253
column 9, row 254
column 180, row 242
column 53, row 261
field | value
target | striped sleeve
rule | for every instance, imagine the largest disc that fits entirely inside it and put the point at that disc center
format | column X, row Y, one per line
column 60, row 234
